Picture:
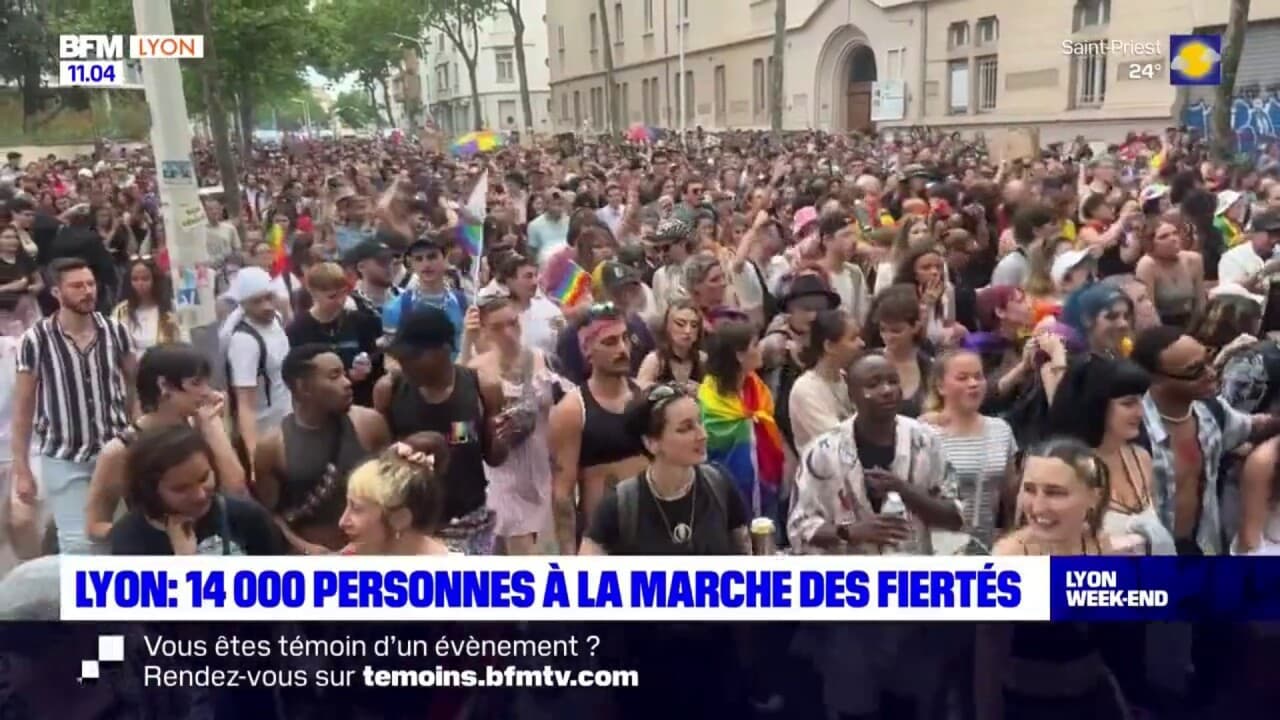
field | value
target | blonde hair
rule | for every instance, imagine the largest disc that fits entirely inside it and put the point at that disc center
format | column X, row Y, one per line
column 933, row 401
column 392, row 481
column 326, row 277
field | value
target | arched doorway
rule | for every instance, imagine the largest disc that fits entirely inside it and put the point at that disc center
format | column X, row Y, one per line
column 861, row 70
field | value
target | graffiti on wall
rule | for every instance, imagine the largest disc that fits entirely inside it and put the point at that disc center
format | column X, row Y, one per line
column 1255, row 117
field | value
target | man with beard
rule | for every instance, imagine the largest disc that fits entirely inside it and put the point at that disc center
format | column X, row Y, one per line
column 372, row 261
column 302, row 466
column 591, row 450
column 75, row 353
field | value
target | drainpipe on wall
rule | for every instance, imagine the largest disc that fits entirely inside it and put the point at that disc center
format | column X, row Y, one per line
column 924, row 60
column 666, row 63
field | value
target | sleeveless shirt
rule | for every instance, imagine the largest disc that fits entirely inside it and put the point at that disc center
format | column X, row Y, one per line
column 460, row 419
column 305, row 497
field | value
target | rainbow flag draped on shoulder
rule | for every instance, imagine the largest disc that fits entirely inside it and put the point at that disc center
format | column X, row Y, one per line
column 743, row 437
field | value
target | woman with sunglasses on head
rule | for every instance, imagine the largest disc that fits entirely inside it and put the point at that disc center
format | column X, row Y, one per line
column 147, row 307
column 679, row 505
column 1042, row 670
column 176, row 506
column 396, row 500
column 679, row 357
column 173, row 389
column 519, row 489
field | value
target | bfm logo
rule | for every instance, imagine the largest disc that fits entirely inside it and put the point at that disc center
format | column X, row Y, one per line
column 141, row 47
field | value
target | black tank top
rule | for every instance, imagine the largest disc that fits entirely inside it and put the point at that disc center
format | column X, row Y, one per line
column 460, row 419
column 604, row 434
column 305, row 496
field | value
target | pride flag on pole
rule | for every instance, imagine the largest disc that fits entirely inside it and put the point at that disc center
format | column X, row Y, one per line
column 276, row 238
column 471, row 223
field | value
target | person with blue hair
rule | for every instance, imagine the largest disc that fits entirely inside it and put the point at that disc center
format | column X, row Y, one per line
column 1101, row 315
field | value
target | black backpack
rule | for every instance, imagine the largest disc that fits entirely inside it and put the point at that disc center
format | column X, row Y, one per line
column 251, row 331
column 629, row 500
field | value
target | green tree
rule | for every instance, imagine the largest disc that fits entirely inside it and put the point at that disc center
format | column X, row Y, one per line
column 27, row 52
column 365, row 38
column 459, row 20
column 354, row 110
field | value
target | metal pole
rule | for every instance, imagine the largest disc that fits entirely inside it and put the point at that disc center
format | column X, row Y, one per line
column 680, row 12
column 181, row 209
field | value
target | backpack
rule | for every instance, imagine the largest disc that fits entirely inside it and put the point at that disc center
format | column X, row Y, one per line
column 629, row 500
column 251, row 331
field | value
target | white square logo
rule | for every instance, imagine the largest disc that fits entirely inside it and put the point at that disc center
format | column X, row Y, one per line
column 110, row 648
column 89, row 670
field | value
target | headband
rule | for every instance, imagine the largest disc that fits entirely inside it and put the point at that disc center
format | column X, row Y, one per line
column 594, row 328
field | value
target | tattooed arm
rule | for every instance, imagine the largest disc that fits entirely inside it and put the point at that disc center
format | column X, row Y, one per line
column 565, row 435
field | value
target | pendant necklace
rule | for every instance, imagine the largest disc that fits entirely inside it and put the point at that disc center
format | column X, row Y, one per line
column 682, row 533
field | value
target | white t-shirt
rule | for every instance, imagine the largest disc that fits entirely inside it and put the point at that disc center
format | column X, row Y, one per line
column 242, row 354
column 146, row 331
column 1238, row 264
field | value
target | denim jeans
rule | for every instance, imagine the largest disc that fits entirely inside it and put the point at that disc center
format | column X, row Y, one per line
column 66, row 490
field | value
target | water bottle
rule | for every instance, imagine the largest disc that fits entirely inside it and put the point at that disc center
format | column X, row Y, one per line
column 892, row 507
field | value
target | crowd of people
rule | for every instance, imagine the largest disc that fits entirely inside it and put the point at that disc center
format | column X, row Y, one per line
column 843, row 344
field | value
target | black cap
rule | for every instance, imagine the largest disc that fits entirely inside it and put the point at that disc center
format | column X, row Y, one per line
column 366, row 250
column 1267, row 221
column 433, row 241
column 614, row 275
column 422, row 328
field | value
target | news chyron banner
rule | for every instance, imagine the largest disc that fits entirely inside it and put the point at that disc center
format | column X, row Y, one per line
column 99, row 60
column 664, row 589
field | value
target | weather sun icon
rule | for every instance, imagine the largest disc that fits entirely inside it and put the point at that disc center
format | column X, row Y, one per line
column 1196, row 59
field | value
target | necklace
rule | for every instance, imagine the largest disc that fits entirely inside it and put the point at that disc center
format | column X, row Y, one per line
column 1176, row 420
column 682, row 533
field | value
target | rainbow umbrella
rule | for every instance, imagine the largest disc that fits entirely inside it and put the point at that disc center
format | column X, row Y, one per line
column 476, row 142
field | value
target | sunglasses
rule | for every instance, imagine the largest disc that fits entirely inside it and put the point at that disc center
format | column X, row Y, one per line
column 659, row 395
column 140, row 258
column 603, row 310
column 1191, row 374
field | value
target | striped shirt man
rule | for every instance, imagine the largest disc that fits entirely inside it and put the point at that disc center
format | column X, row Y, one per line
column 82, row 401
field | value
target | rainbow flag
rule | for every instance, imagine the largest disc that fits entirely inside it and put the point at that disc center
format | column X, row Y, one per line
column 564, row 280
column 574, row 284
column 471, row 238
column 743, row 437
column 276, row 238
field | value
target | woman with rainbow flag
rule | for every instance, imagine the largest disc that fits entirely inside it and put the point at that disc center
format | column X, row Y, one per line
column 737, row 411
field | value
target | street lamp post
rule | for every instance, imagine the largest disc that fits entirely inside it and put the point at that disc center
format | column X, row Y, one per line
column 306, row 115
column 181, row 209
